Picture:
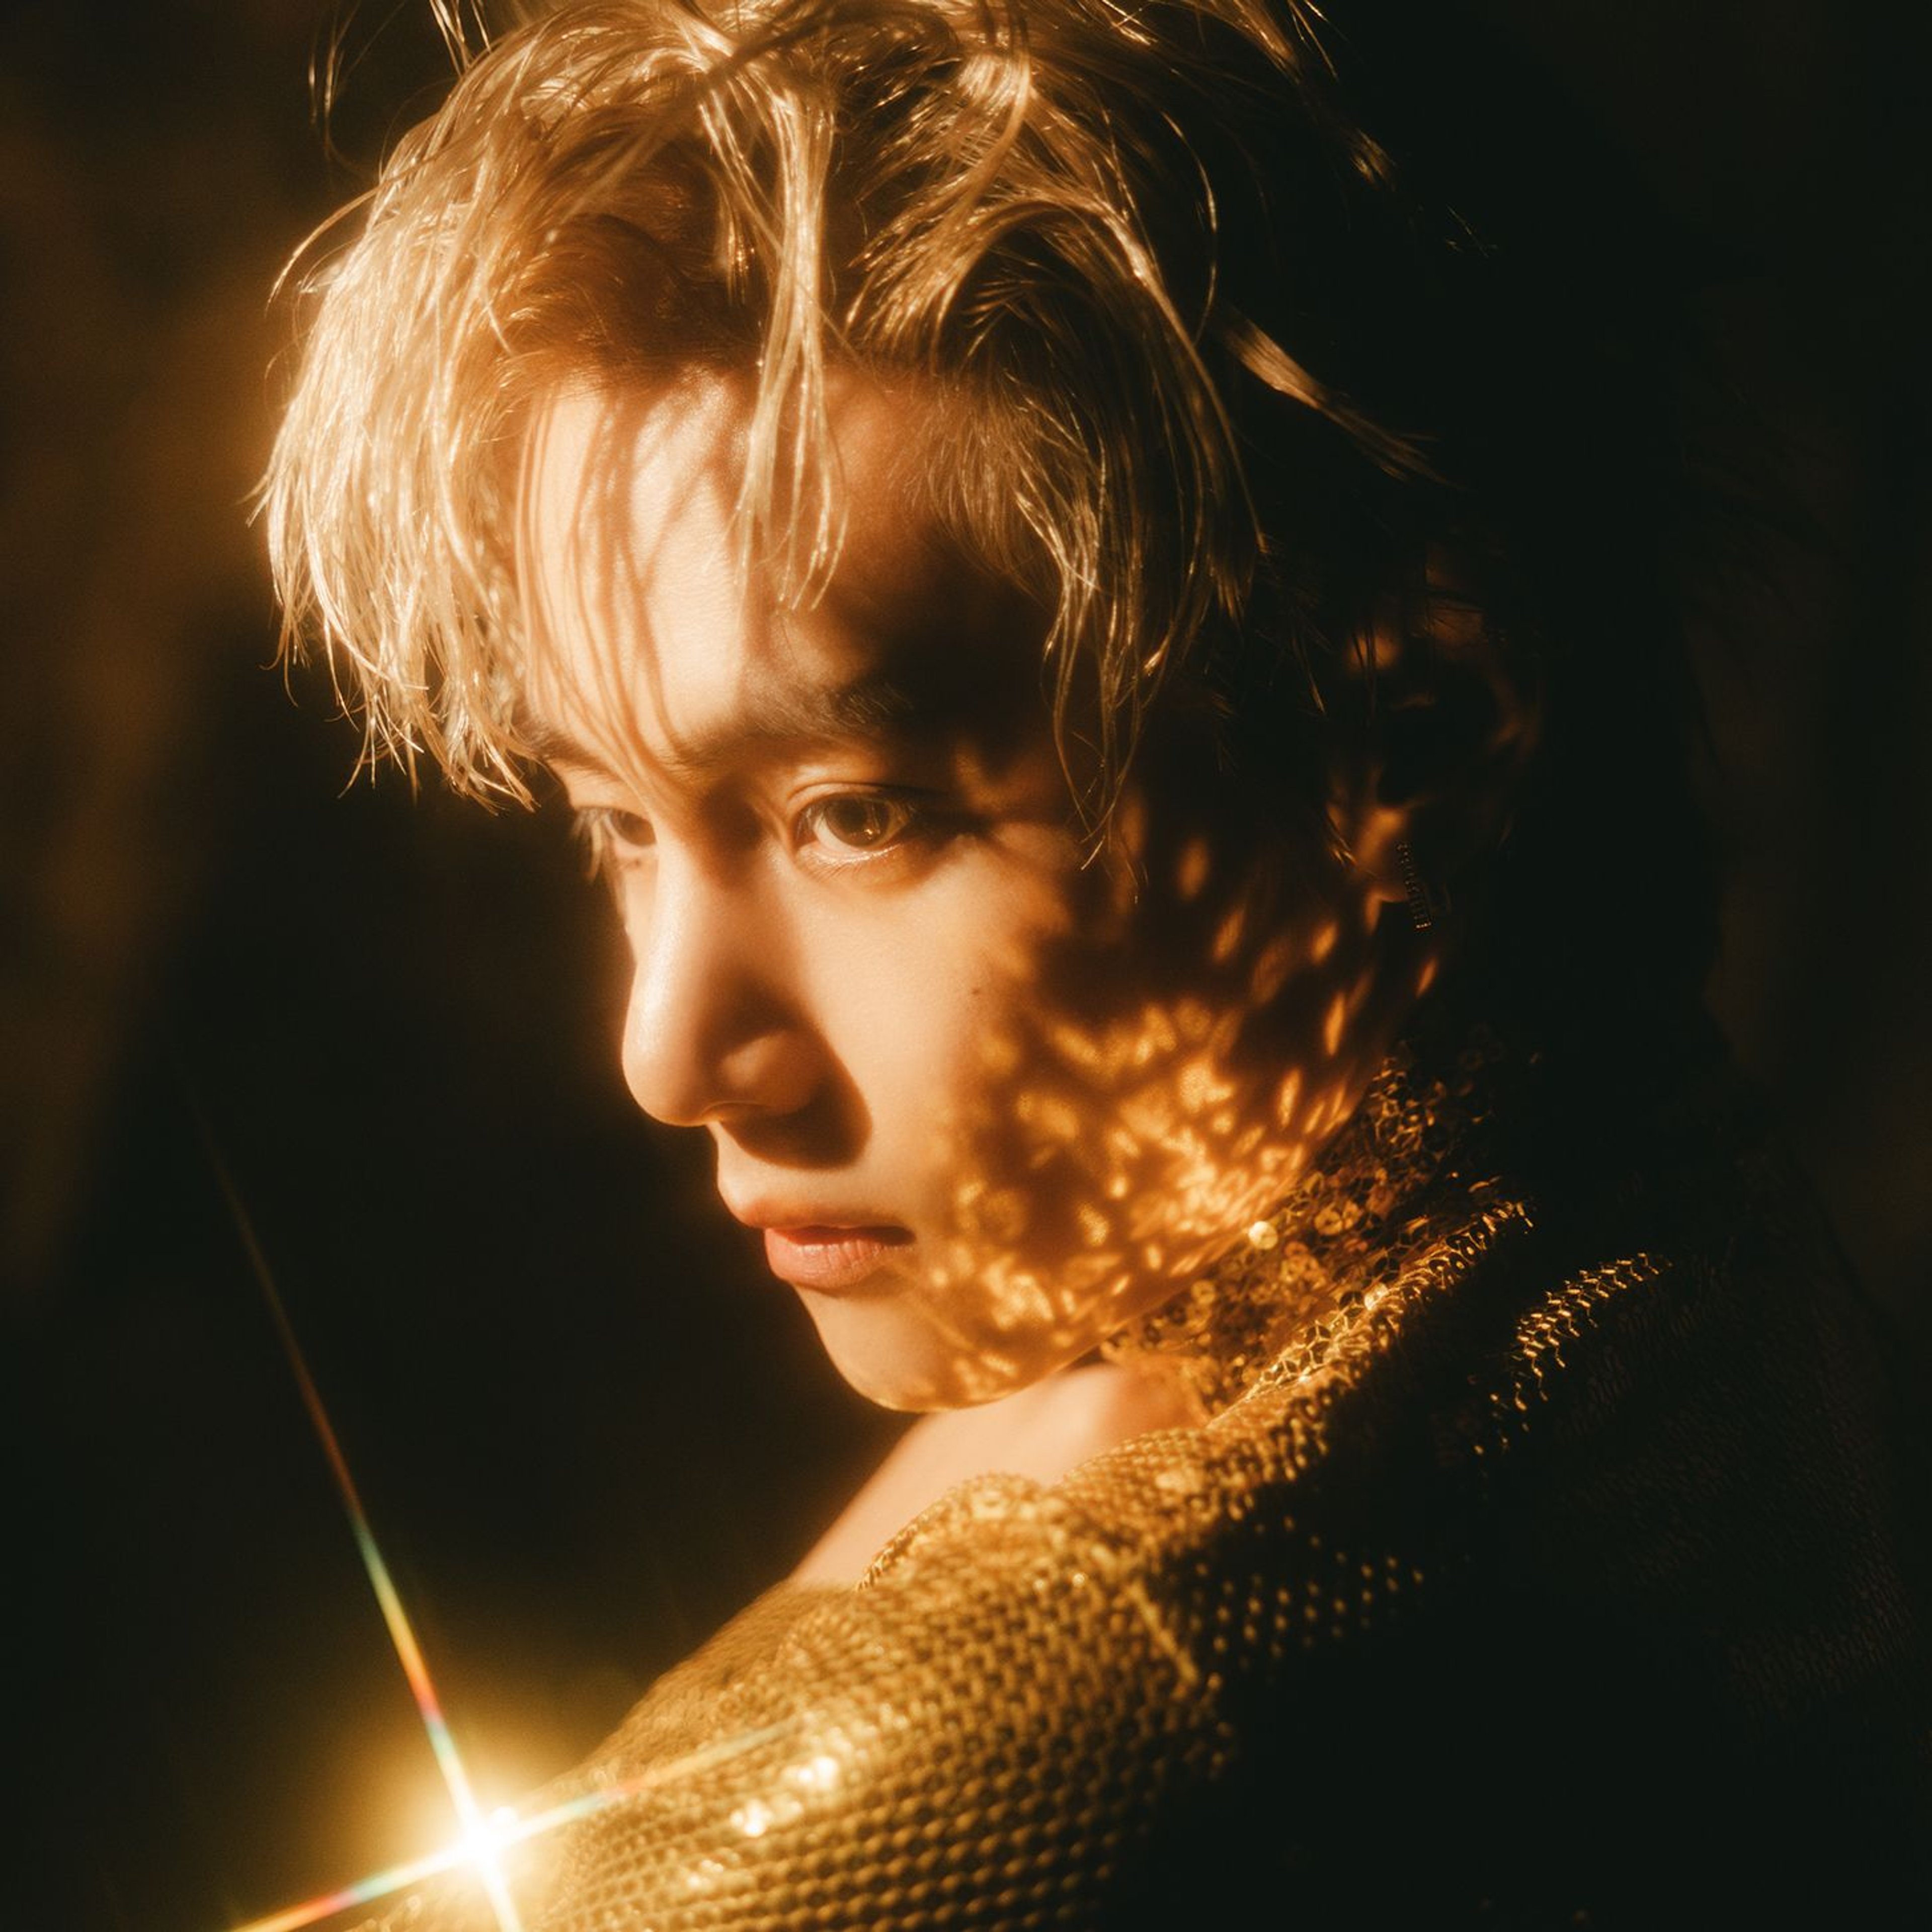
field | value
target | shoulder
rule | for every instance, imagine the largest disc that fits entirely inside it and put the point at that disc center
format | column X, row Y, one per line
column 1036, row 1435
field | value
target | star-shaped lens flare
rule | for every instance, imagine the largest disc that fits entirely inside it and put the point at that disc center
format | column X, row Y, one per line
column 481, row 1836
column 504, row 1828
column 485, row 1836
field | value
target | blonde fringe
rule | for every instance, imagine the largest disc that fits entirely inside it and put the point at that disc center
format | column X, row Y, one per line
column 942, row 187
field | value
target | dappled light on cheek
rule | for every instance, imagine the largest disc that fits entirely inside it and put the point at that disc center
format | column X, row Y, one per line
column 1180, row 1059
column 988, row 1105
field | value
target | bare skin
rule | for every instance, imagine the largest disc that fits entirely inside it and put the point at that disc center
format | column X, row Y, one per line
column 1041, row 1432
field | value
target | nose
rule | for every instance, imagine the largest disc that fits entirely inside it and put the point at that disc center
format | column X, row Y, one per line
column 713, row 1033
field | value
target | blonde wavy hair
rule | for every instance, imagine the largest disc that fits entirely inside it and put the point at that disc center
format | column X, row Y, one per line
column 1022, row 202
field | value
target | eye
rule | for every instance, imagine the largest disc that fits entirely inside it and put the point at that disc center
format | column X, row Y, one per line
column 856, row 822
column 612, row 836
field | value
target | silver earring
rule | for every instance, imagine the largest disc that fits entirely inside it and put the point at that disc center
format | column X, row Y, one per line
column 1422, row 905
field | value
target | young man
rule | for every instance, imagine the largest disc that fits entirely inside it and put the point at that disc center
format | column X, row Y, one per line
column 1045, row 557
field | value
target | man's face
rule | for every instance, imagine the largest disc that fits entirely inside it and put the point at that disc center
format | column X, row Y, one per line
column 986, row 1102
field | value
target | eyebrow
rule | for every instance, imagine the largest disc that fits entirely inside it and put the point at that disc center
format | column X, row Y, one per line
column 874, row 705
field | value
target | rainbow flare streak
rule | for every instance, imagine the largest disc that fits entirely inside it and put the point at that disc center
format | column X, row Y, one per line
column 483, row 1838
column 363, row 1892
column 479, row 1842
column 499, row 1833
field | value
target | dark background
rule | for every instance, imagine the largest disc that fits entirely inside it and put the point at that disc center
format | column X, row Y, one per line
column 586, row 1425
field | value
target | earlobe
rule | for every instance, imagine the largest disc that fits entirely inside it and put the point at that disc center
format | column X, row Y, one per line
column 1449, row 728
column 1381, row 850
column 1423, row 907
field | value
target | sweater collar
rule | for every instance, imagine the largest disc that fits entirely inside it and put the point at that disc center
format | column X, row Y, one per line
column 1413, row 1165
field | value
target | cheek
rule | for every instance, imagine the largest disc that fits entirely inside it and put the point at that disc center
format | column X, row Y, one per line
column 923, row 999
column 909, row 1010
column 1127, row 1107
column 630, row 890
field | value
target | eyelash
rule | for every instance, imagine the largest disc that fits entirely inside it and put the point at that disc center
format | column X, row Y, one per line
column 606, row 848
column 613, row 837
column 903, row 817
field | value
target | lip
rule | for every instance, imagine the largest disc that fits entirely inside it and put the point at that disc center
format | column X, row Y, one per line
column 830, row 1259
column 813, row 1249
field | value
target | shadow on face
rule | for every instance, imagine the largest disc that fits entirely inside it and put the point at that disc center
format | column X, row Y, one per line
column 988, row 1094
column 1209, row 1014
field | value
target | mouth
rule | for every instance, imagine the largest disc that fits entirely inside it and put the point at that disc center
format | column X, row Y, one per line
column 828, row 1257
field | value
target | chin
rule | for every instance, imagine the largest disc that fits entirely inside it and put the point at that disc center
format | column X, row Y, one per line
column 899, row 1355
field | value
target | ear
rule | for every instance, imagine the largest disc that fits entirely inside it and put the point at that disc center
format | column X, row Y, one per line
column 1450, row 719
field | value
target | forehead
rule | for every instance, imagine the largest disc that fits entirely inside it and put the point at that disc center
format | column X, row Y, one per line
column 652, row 632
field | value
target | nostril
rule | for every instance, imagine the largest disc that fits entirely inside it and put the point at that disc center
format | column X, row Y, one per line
column 829, row 1129
column 773, row 1075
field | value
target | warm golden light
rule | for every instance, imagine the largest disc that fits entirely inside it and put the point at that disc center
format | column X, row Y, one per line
column 481, row 1848
column 481, row 1837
